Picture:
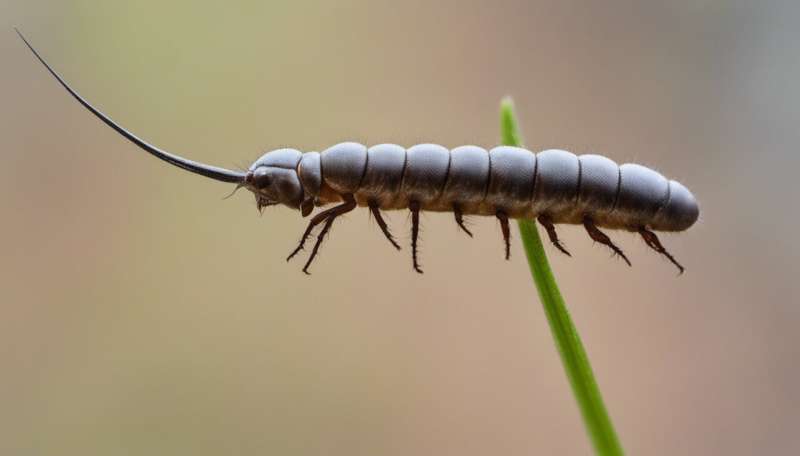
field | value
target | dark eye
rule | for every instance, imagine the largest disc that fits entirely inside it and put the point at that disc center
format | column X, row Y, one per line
column 261, row 177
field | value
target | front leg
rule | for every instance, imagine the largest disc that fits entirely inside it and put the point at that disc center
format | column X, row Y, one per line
column 319, row 218
column 328, row 216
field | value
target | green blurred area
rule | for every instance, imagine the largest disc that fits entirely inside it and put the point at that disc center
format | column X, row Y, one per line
column 144, row 314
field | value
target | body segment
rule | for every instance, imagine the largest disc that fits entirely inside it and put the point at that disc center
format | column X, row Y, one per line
column 511, row 180
column 642, row 192
column 425, row 174
column 557, row 179
column 599, row 186
column 384, row 175
column 468, row 179
column 343, row 166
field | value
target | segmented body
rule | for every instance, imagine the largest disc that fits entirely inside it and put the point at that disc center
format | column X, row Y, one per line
column 553, row 186
column 520, row 183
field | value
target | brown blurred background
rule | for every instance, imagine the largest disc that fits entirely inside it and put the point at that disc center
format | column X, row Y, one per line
column 142, row 314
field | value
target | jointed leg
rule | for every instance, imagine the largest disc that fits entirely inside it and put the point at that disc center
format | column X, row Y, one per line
column 376, row 212
column 460, row 219
column 316, row 220
column 503, row 218
column 547, row 223
column 601, row 237
column 320, row 237
column 348, row 205
column 652, row 241
column 414, row 207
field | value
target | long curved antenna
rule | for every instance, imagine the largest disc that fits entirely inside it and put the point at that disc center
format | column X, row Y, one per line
column 220, row 174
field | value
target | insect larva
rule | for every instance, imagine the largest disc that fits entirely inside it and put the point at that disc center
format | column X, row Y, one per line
column 553, row 186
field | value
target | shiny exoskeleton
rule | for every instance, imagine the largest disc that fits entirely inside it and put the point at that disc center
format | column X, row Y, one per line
column 553, row 186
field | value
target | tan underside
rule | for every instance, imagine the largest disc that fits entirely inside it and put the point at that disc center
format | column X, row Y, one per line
column 567, row 213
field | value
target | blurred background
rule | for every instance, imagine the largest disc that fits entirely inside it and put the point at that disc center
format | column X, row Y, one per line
column 142, row 314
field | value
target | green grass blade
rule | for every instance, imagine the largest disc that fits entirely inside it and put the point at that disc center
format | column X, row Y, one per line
column 573, row 356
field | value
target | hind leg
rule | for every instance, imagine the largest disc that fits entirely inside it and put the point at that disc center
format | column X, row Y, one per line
column 652, row 241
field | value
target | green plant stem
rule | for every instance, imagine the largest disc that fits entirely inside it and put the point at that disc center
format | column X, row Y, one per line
column 573, row 356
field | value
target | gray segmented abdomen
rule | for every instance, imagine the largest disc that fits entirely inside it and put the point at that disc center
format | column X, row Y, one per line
column 425, row 175
column 599, row 183
column 468, row 179
column 556, row 188
column 680, row 211
column 384, row 174
column 556, row 183
column 642, row 192
column 512, row 172
column 343, row 166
